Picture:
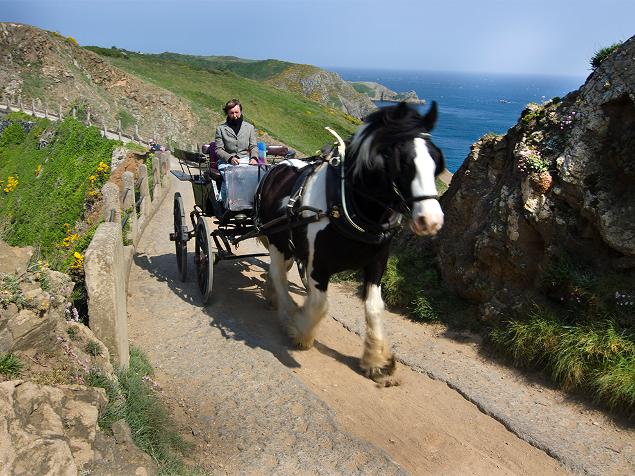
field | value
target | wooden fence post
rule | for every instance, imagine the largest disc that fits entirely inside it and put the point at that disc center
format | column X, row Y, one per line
column 20, row 104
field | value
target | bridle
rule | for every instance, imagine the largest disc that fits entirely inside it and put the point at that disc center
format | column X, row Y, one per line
column 403, row 204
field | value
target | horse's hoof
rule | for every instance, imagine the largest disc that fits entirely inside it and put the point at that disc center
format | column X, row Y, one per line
column 303, row 344
column 382, row 375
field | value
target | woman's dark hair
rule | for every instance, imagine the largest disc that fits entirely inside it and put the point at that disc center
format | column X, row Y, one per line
column 232, row 103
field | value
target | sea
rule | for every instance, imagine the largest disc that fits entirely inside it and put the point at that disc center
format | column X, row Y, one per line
column 470, row 104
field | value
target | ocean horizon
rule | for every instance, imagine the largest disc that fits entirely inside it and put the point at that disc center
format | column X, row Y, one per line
column 470, row 104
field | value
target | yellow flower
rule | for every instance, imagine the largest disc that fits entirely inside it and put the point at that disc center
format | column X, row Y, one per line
column 38, row 169
column 78, row 261
column 103, row 168
column 92, row 179
column 12, row 183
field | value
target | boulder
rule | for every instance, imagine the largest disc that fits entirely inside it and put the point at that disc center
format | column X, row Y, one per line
column 560, row 182
column 14, row 260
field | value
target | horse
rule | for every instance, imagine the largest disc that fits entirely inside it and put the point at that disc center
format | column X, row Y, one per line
column 340, row 212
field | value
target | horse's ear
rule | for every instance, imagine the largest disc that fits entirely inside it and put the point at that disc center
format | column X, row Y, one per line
column 431, row 117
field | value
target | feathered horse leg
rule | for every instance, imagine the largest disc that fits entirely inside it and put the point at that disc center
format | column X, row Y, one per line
column 378, row 362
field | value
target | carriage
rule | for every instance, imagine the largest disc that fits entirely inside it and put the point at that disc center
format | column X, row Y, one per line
column 337, row 211
column 232, row 214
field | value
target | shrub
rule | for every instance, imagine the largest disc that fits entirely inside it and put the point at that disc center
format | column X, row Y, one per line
column 603, row 53
column 93, row 348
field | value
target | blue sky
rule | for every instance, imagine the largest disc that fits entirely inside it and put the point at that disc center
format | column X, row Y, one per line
column 514, row 36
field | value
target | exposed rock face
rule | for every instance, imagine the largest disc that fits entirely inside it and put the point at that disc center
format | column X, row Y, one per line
column 561, row 181
column 324, row 87
column 47, row 430
column 39, row 63
column 52, row 429
column 379, row 92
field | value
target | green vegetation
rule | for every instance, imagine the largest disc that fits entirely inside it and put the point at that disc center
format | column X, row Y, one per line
column 132, row 397
column 413, row 283
column 583, row 333
column 595, row 357
column 10, row 365
column 364, row 89
column 288, row 117
column 10, row 292
column 112, row 52
column 532, row 112
column 52, row 186
column 72, row 333
column 603, row 53
column 93, row 348
column 127, row 119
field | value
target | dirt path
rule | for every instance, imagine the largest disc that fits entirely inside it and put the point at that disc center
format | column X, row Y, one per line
column 251, row 404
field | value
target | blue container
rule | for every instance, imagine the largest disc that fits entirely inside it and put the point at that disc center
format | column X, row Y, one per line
column 262, row 152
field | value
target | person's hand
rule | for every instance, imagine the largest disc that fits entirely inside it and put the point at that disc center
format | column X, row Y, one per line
column 234, row 160
column 253, row 161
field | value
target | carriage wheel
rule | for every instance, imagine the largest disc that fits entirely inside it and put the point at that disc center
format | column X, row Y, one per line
column 180, row 231
column 204, row 260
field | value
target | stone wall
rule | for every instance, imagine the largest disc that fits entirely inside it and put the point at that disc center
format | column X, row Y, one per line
column 109, row 255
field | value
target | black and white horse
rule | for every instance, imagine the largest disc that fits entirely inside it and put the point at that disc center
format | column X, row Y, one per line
column 343, row 212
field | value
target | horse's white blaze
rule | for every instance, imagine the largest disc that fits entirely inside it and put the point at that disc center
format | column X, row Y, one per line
column 427, row 216
column 374, row 307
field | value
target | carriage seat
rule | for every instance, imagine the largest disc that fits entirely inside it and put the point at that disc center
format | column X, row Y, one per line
column 272, row 151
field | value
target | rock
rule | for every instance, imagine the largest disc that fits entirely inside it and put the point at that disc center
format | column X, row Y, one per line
column 52, row 429
column 119, row 155
column 121, row 432
column 59, row 283
column 28, row 330
column 559, row 183
column 14, row 260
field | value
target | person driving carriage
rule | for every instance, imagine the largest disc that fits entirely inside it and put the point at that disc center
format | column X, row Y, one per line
column 235, row 138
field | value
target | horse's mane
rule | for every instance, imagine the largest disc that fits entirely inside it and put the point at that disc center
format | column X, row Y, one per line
column 380, row 132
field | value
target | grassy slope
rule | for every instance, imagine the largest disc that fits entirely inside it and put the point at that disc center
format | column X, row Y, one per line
column 36, row 211
column 287, row 117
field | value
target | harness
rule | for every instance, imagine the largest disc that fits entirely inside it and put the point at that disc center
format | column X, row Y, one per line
column 341, row 210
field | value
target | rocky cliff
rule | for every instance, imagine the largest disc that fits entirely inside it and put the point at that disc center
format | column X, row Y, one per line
column 324, row 87
column 48, row 416
column 379, row 92
column 45, row 65
column 558, row 188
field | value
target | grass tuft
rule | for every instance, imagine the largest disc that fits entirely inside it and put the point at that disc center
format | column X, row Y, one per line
column 602, row 54
column 10, row 365
column 597, row 357
column 132, row 397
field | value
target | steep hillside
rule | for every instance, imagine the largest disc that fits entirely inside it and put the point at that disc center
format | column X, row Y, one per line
column 39, row 64
column 171, row 99
column 323, row 86
column 286, row 116
column 312, row 82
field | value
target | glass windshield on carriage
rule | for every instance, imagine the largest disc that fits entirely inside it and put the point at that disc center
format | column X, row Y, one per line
column 239, row 186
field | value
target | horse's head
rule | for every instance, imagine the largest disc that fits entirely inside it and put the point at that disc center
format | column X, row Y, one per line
column 395, row 148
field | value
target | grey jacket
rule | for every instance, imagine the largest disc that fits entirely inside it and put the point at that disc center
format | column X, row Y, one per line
column 228, row 144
